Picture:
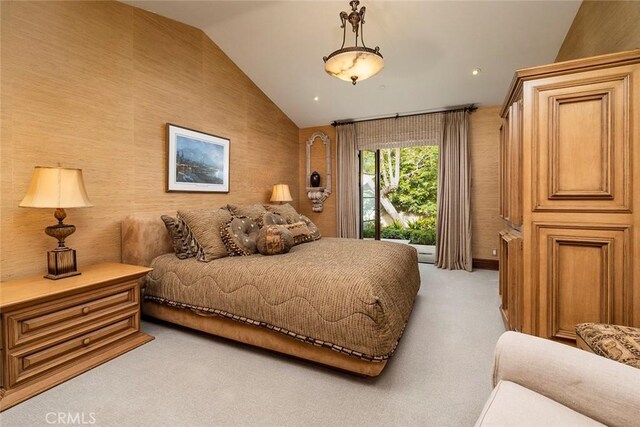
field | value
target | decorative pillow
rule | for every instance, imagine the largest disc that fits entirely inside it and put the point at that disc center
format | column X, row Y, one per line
column 315, row 231
column 184, row 244
column 286, row 211
column 205, row 225
column 274, row 240
column 300, row 232
column 620, row 343
column 254, row 212
column 239, row 236
column 271, row 218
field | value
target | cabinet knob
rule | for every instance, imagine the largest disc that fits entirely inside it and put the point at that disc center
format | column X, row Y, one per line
column 86, row 341
column 85, row 310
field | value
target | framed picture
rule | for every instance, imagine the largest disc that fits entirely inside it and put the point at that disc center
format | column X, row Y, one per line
column 197, row 161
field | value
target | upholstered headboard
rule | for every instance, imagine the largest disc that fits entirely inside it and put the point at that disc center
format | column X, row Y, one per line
column 144, row 237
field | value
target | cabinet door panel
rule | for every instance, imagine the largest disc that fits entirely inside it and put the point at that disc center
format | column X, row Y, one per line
column 515, row 284
column 503, row 165
column 584, row 275
column 515, row 164
column 504, row 276
column 581, row 144
column 505, row 168
column 511, row 296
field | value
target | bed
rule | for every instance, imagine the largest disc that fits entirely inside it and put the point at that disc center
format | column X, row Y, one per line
column 340, row 302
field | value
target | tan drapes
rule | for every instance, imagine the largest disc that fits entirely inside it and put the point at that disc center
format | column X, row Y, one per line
column 453, row 234
column 407, row 131
column 348, row 205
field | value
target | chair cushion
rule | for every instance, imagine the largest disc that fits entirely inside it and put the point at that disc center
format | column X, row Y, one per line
column 619, row 343
column 511, row 404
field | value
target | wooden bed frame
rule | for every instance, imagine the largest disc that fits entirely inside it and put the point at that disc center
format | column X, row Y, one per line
column 144, row 237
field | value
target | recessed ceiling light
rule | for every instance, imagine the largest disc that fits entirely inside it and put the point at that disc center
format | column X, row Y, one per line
column 315, row 98
column 476, row 71
column 382, row 86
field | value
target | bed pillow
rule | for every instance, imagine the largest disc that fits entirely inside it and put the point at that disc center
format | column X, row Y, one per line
column 272, row 218
column 286, row 211
column 239, row 236
column 274, row 240
column 300, row 232
column 184, row 244
column 315, row 231
column 254, row 212
column 205, row 225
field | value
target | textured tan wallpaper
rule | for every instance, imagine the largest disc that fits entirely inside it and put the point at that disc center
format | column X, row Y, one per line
column 92, row 85
column 484, row 154
column 602, row 27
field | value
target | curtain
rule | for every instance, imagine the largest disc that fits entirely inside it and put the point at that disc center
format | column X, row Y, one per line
column 407, row 131
column 453, row 226
column 348, row 208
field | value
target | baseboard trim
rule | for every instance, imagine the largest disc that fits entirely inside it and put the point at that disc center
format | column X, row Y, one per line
column 486, row 264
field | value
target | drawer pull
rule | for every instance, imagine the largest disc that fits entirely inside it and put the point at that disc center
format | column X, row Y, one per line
column 85, row 310
column 86, row 341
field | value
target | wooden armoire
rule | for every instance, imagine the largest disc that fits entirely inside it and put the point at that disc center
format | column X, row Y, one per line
column 570, row 196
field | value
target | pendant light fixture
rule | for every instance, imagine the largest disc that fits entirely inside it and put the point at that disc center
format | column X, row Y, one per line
column 356, row 63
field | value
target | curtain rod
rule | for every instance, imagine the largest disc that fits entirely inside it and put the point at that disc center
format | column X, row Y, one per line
column 469, row 107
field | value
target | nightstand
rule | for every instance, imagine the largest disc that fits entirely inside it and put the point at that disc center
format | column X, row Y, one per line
column 51, row 331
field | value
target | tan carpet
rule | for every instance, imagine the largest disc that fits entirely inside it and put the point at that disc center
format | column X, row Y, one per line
column 440, row 376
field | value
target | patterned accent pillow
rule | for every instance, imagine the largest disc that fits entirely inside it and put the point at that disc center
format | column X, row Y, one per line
column 620, row 343
column 274, row 240
column 271, row 218
column 286, row 211
column 239, row 236
column 254, row 212
column 315, row 231
column 300, row 232
column 205, row 225
column 184, row 244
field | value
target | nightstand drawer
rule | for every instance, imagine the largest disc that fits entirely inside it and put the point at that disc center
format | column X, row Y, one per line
column 56, row 317
column 26, row 363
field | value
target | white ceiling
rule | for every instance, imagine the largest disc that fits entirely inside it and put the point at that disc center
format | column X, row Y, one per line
column 429, row 47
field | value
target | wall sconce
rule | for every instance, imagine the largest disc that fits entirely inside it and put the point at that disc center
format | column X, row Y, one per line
column 318, row 195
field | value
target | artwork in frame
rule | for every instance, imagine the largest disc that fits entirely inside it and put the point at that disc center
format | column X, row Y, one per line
column 197, row 161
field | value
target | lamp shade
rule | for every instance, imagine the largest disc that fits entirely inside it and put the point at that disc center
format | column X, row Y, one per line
column 354, row 64
column 281, row 193
column 56, row 188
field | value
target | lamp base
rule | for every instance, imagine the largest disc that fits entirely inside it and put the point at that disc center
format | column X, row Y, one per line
column 62, row 263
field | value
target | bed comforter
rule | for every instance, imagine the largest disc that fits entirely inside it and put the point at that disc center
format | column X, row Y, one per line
column 354, row 296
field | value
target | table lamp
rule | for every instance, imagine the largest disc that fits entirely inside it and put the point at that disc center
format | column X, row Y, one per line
column 59, row 188
column 281, row 193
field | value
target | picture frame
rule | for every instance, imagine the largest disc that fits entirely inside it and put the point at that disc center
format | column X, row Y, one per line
column 196, row 161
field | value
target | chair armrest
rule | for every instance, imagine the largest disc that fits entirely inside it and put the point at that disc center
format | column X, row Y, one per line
column 602, row 389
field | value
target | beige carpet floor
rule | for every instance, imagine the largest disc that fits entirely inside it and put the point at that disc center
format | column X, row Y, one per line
column 440, row 375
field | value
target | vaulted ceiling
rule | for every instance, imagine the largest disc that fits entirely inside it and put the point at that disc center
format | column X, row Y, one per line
column 430, row 49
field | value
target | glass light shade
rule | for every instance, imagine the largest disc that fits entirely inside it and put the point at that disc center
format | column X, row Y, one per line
column 281, row 193
column 56, row 188
column 354, row 64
